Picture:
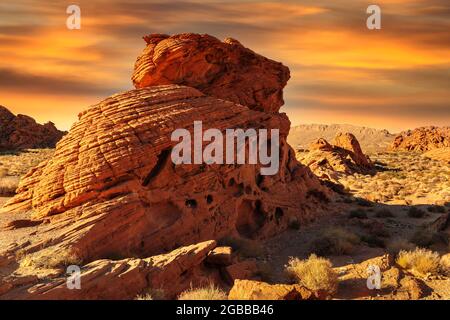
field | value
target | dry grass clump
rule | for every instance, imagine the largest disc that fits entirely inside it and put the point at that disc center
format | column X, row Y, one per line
column 209, row 292
column 147, row 296
column 51, row 259
column 151, row 294
column 420, row 260
column 414, row 212
column 335, row 241
column 315, row 273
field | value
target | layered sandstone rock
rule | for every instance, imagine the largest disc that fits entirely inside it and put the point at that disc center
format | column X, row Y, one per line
column 422, row 139
column 22, row 132
column 226, row 70
column 112, row 188
column 332, row 161
column 123, row 279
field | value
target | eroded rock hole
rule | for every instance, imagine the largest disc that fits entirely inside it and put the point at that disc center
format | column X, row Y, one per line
column 250, row 218
column 279, row 213
column 191, row 203
column 209, row 199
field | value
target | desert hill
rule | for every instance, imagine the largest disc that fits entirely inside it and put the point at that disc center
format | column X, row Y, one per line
column 22, row 132
column 371, row 140
column 422, row 139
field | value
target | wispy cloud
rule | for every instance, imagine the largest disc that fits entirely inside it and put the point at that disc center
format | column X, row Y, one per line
column 340, row 70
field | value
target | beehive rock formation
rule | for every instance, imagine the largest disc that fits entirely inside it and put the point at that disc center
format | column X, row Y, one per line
column 226, row 70
column 422, row 139
column 112, row 190
column 22, row 132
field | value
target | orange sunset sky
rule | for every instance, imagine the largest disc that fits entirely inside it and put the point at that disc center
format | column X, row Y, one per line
column 341, row 72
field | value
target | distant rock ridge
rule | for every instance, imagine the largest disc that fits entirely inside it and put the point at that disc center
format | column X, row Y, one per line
column 422, row 139
column 22, row 132
column 371, row 140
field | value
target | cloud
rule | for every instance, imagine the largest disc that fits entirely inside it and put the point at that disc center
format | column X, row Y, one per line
column 14, row 80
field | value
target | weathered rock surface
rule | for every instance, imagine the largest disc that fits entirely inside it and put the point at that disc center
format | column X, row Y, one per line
column 256, row 290
column 22, row 132
column 111, row 188
column 422, row 139
column 124, row 279
column 226, row 70
column 329, row 162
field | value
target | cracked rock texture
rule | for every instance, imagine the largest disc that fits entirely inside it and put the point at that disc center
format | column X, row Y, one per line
column 111, row 189
column 226, row 70
column 422, row 139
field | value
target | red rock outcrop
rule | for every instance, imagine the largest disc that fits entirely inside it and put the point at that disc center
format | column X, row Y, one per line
column 122, row 279
column 22, row 132
column 226, row 70
column 112, row 189
column 256, row 290
column 329, row 162
column 422, row 139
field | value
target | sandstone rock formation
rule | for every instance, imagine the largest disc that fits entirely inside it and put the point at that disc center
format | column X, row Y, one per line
column 22, row 132
column 226, row 70
column 112, row 190
column 123, row 279
column 329, row 162
column 422, row 139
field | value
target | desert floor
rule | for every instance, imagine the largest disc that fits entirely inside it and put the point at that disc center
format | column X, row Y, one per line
column 396, row 208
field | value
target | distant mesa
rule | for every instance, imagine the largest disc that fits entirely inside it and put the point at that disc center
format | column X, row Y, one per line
column 422, row 139
column 22, row 132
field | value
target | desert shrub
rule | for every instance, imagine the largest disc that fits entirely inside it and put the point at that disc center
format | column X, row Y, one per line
column 425, row 238
column 51, row 259
column 420, row 260
column 384, row 213
column 399, row 244
column 414, row 212
column 315, row 273
column 244, row 247
column 358, row 213
column 209, row 292
column 334, row 241
column 436, row 209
